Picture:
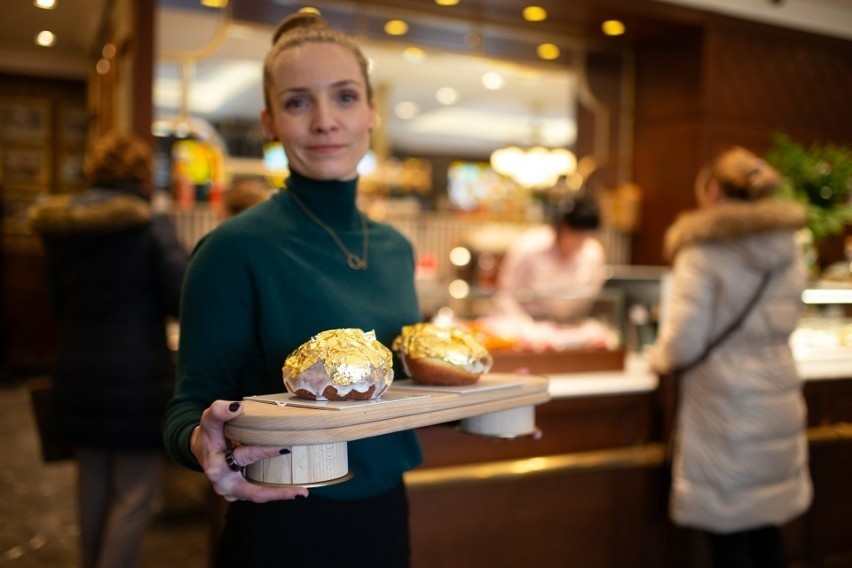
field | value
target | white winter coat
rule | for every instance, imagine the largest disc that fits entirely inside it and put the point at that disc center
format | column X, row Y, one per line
column 740, row 455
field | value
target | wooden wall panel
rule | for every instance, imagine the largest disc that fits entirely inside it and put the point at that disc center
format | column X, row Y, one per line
column 668, row 134
column 734, row 83
column 769, row 82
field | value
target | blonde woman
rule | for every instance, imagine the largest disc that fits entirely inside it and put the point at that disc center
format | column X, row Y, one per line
column 740, row 466
column 301, row 262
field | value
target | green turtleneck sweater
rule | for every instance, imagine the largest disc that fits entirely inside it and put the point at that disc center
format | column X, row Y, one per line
column 264, row 282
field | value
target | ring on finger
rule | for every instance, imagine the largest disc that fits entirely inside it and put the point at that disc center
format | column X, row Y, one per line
column 231, row 461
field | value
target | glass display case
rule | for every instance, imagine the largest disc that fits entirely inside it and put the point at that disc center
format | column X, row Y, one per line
column 824, row 332
column 576, row 334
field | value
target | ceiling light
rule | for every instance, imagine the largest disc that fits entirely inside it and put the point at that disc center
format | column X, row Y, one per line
column 310, row 10
column 535, row 14
column 413, row 54
column 613, row 28
column 406, row 110
column 45, row 38
column 45, row 4
column 534, row 168
column 447, row 95
column 492, row 81
column 214, row 3
column 396, row 27
column 548, row 51
column 446, row 2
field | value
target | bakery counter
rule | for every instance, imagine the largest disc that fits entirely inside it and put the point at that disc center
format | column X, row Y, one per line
column 592, row 488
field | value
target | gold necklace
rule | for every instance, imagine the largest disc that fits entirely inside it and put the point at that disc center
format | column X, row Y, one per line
column 354, row 261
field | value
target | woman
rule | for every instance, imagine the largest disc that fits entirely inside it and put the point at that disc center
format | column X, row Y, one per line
column 561, row 266
column 115, row 272
column 740, row 457
column 304, row 261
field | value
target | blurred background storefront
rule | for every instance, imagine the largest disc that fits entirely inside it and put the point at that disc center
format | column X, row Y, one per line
column 627, row 99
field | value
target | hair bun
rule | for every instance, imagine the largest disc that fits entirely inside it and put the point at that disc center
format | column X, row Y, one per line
column 298, row 21
column 743, row 175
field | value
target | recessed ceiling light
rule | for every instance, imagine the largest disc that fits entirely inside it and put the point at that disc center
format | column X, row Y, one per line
column 396, row 27
column 535, row 14
column 447, row 95
column 45, row 38
column 406, row 110
column 492, row 81
column 214, row 3
column 446, row 2
column 548, row 51
column 613, row 28
column 45, row 4
column 413, row 54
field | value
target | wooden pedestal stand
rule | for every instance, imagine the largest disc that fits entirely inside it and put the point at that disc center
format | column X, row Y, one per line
column 498, row 405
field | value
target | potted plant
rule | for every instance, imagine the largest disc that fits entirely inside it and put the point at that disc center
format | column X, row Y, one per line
column 819, row 177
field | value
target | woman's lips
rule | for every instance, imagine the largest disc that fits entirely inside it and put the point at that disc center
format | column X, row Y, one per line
column 325, row 148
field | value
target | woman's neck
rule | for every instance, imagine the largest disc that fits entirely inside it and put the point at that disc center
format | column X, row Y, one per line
column 333, row 201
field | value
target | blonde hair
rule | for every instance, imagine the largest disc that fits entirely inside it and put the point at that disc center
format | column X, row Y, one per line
column 119, row 158
column 302, row 28
column 742, row 175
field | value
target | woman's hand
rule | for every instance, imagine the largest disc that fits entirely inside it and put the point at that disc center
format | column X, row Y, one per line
column 210, row 447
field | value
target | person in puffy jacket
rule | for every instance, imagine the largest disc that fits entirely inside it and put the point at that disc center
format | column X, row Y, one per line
column 740, row 465
column 115, row 269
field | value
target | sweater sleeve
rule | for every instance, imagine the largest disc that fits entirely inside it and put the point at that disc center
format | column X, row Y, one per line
column 217, row 318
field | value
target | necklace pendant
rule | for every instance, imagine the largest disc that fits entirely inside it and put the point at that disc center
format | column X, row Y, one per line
column 355, row 262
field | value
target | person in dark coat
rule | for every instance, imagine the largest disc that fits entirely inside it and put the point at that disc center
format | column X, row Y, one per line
column 115, row 269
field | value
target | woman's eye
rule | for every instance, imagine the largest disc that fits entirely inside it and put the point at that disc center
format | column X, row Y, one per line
column 294, row 104
column 348, row 97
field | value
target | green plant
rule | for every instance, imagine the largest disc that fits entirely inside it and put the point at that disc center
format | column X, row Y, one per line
column 820, row 178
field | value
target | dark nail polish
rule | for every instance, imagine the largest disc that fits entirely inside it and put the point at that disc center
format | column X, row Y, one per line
column 234, row 406
column 284, row 451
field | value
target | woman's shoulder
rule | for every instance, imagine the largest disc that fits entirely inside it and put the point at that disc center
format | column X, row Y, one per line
column 387, row 232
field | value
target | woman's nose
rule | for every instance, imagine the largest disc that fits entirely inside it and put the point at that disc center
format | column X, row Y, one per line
column 323, row 119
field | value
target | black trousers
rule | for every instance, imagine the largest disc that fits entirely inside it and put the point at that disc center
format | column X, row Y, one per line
column 762, row 547
column 317, row 533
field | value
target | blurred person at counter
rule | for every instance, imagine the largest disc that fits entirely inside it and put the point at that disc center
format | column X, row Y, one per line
column 552, row 272
column 243, row 193
column 740, row 467
column 115, row 270
column 266, row 281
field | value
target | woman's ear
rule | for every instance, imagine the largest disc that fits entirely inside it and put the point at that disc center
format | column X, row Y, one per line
column 374, row 117
column 712, row 192
column 268, row 125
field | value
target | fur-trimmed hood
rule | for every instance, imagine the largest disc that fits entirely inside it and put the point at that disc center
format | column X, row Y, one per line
column 750, row 224
column 96, row 211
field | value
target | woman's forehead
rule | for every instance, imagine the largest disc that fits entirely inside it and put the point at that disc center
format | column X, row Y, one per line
column 315, row 65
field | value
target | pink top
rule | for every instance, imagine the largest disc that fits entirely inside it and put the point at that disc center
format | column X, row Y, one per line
column 537, row 279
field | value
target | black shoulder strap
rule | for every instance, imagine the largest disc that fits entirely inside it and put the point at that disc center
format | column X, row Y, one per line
column 730, row 329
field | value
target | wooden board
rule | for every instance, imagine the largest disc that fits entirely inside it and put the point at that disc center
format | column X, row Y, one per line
column 269, row 424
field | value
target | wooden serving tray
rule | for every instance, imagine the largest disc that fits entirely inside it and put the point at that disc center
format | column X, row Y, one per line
column 313, row 423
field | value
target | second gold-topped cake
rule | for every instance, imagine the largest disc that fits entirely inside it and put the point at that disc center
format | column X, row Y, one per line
column 438, row 355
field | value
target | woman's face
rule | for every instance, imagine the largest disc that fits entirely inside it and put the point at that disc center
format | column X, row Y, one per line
column 320, row 110
column 570, row 241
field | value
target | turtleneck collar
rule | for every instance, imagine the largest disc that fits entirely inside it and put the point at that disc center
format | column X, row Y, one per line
column 333, row 201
